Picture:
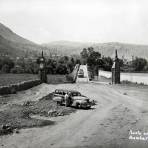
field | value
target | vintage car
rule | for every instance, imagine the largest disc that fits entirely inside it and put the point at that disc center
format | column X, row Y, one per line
column 77, row 100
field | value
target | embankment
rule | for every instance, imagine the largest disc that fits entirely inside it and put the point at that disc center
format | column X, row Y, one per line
column 13, row 88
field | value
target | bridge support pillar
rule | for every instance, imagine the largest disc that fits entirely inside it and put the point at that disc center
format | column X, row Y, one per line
column 42, row 69
column 116, row 70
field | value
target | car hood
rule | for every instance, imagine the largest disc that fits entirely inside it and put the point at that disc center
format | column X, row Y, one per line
column 80, row 98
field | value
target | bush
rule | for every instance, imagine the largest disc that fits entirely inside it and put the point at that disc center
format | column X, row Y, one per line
column 17, row 70
column 69, row 78
column 5, row 69
column 139, row 64
column 61, row 69
column 6, row 64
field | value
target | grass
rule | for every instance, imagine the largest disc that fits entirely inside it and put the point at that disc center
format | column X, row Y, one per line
column 56, row 79
column 19, row 116
column 129, row 83
column 7, row 79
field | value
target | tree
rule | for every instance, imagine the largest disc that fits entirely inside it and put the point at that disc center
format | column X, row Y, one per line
column 107, row 63
column 6, row 64
column 139, row 64
column 17, row 70
column 5, row 68
column 78, row 61
column 90, row 50
column 72, row 60
column 70, row 65
column 31, row 67
column 1, row 64
column 61, row 69
column 51, row 66
column 94, row 58
column 121, row 62
column 66, row 59
column 84, row 53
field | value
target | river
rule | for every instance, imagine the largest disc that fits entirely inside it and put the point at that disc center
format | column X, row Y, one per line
column 132, row 77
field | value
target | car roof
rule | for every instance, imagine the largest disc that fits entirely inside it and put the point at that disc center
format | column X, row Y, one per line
column 67, row 90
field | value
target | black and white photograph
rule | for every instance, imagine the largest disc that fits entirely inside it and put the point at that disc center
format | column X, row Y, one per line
column 73, row 74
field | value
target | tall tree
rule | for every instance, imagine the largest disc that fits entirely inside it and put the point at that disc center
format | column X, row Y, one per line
column 139, row 64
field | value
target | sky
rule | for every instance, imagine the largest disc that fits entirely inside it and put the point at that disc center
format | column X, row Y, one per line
column 44, row 21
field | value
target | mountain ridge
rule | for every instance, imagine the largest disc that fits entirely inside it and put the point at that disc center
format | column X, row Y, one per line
column 125, row 50
column 8, row 34
column 15, row 45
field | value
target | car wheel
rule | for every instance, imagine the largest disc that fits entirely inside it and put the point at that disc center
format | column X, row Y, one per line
column 77, row 105
column 89, row 107
column 59, row 103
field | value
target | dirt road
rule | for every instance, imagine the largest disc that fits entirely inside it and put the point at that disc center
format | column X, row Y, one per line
column 107, row 124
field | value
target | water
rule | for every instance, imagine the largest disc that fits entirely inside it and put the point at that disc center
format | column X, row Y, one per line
column 132, row 77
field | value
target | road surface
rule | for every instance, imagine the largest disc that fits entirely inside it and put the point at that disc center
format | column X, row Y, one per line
column 119, row 110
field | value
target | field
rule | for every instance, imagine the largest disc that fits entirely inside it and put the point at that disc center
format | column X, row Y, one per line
column 56, row 79
column 6, row 79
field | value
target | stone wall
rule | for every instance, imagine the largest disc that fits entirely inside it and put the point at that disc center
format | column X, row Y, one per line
column 13, row 88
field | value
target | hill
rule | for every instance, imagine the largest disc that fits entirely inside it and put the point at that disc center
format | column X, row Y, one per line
column 66, row 47
column 14, row 45
column 106, row 49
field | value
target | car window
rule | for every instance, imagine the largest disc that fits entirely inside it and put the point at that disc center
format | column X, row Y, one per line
column 58, row 92
column 61, row 92
column 76, row 94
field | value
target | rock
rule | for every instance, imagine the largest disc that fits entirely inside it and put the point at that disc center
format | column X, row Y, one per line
column 52, row 113
column 125, row 93
column 60, row 114
column 6, row 129
column 17, row 131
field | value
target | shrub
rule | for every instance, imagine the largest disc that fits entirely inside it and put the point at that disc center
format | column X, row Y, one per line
column 5, row 69
column 139, row 64
column 69, row 78
column 17, row 70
